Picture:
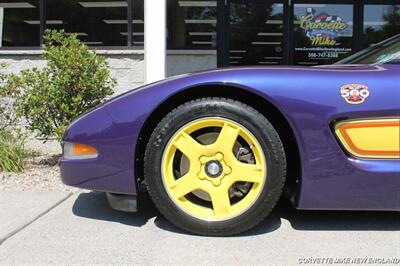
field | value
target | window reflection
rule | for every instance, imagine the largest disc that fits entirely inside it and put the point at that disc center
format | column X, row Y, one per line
column 100, row 23
column 138, row 23
column 192, row 24
column 19, row 23
column 381, row 22
column 256, row 33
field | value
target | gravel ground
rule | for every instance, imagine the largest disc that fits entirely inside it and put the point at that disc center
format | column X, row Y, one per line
column 41, row 171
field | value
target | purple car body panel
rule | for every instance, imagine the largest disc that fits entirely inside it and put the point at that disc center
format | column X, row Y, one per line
column 309, row 98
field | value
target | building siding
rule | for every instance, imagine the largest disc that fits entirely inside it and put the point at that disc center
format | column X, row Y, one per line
column 127, row 69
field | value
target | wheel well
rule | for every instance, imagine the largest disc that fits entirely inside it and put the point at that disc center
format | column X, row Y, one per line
column 256, row 101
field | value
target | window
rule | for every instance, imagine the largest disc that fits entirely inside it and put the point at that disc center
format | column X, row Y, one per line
column 323, row 33
column 192, row 24
column 137, row 23
column 19, row 23
column 380, row 22
column 386, row 52
column 256, row 33
column 100, row 23
column 96, row 23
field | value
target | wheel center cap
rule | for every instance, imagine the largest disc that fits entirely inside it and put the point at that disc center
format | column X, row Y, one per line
column 213, row 168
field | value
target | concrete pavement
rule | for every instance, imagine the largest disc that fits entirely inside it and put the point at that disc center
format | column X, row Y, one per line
column 84, row 230
column 19, row 209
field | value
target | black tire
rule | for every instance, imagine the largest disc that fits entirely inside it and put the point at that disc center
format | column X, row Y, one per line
column 243, row 114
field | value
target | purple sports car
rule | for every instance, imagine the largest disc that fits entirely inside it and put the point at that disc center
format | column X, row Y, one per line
column 217, row 149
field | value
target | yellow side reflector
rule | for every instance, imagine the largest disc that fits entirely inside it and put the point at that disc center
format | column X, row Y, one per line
column 378, row 138
column 82, row 149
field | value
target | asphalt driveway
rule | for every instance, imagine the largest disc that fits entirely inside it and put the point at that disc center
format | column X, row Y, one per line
column 51, row 228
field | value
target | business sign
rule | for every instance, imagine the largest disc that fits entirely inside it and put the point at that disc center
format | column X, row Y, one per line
column 322, row 29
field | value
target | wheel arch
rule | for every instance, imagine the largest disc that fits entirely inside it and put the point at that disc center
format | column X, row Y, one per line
column 262, row 105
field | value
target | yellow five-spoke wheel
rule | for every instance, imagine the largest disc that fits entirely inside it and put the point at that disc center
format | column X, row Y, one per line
column 215, row 167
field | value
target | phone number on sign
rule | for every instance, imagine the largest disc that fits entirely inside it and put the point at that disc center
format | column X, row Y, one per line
column 323, row 55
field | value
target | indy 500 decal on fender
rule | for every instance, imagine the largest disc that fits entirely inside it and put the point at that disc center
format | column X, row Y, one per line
column 354, row 93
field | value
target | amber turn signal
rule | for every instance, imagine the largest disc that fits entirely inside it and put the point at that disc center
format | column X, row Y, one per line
column 74, row 151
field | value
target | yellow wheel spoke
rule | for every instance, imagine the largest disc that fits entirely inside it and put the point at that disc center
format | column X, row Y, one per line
column 220, row 202
column 189, row 146
column 184, row 185
column 243, row 172
column 227, row 137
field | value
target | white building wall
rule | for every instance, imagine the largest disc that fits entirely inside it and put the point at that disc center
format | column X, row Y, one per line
column 126, row 66
column 181, row 61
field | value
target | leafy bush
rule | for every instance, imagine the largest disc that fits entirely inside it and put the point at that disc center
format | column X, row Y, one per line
column 74, row 80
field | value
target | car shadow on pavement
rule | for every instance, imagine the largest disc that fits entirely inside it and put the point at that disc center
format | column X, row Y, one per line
column 328, row 220
column 94, row 205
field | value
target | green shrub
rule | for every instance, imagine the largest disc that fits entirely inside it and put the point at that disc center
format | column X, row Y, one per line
column 74, row 80
column 12, row 151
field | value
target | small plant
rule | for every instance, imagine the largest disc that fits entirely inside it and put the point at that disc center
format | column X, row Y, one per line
column 12, row 151
column 74, row 80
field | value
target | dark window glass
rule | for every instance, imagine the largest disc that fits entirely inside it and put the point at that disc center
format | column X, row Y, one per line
column 380, row 22
column 19, row 23
column 323, row 33
column 256, row 33
column 97, row 23
column 138, row 23
column 386, row 52
column 192, row 24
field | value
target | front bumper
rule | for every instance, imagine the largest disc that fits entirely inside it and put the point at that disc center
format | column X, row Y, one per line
column 113, row 169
